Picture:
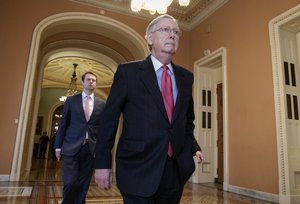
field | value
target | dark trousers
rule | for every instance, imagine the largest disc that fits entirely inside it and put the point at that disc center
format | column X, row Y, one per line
column 77, row 175
column 168, row 192
column 43, row 149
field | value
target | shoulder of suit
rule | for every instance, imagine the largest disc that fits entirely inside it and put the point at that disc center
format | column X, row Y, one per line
column 77, row 95
column 182, row 70
column 130, row 66
column 132, row 63
column 74, row 97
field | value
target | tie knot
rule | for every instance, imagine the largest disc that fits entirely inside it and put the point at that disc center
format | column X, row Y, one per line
column 165, row 67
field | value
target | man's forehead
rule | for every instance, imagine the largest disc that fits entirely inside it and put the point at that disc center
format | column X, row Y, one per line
column 167, row 22
column 90, row 76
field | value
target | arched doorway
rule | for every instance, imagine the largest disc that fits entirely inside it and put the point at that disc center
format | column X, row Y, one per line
column 49, row 37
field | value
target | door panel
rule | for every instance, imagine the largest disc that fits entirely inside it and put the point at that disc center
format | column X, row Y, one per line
column 291, row 82
column 205, row 125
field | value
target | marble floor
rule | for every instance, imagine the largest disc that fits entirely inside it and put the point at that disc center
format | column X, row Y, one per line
column 43, row 185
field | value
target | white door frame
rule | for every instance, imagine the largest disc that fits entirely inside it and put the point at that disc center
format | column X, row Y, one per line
column 280, row 111
column 210, row 57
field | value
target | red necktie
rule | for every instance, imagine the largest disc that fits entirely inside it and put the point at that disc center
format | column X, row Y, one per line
column 87, row 108
column 167, row 94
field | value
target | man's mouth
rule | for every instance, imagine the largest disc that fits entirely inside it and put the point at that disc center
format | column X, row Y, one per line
column 170, row 44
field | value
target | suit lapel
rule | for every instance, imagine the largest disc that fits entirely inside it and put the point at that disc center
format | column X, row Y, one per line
column 148, row 77
column 179, row 77
column 96, row 103
column 80, row 104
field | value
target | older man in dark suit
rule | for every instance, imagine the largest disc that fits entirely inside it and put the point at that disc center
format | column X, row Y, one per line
column 154, row 158
column 76, row 139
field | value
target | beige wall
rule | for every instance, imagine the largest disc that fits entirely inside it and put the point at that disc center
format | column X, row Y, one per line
column 241, row 26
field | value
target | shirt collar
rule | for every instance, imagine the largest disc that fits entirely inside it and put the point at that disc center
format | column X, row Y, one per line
column 157, row 64
column 84, row 95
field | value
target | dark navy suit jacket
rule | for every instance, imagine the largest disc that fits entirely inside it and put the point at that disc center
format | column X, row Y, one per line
column 146, row 131
column 73, row 126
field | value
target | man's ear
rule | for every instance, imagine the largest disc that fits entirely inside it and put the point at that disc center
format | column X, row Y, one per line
column 149, row 39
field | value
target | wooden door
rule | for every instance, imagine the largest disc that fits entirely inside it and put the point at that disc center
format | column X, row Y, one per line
column 220, row 168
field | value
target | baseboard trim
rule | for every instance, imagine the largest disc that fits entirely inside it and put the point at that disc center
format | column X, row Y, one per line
column 254, row 193
column 4, row 177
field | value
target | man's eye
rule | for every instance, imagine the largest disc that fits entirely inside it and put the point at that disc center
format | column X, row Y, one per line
column 165, row 29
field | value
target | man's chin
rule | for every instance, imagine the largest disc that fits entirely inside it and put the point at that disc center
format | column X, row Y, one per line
column 171, row 49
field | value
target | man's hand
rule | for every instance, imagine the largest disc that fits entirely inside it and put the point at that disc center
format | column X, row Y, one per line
column 200, row 157
column 57, row 154
column 103, row 178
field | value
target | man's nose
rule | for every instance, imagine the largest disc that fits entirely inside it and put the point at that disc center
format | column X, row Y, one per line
column 172, row 34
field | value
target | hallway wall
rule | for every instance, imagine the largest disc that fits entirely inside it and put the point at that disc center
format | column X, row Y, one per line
column 239, row 26
column 242, row 28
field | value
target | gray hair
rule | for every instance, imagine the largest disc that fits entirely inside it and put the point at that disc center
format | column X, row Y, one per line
column 152, row 25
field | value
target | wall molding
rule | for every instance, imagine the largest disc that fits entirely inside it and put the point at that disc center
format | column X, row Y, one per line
column 4, row 177
column 254, row 193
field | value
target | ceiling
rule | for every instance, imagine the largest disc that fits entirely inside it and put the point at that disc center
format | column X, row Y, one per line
column 188, row 17
column 293, row 25
column 60, row 70
column 59, row 67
